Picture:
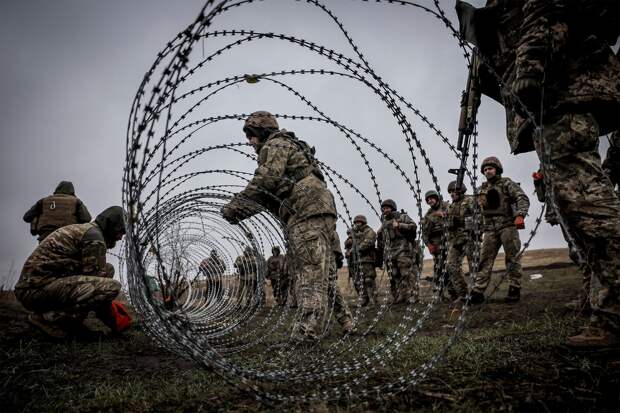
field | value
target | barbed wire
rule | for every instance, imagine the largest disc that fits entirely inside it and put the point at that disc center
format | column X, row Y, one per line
column 215, row 312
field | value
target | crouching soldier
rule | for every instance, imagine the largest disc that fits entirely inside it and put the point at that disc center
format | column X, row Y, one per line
column 67, row 276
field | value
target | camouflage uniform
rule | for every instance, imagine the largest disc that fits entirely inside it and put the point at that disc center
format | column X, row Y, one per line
column 247, row 265
column 212, row 269
column 397, row 246
column 566, row 43
column 290, row 282
column 364, row 239
column 290, row 185
column 67, row 275
column 611, row 164
column 497, row 197
column 460, row 241
column 433, row 226
column 348, row 253
column 275, row 274
column 55, row 211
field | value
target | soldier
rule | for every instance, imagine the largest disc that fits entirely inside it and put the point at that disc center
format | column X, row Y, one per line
column 55, row 211
column 460, row 238
column 556, row 63
column 348, row 254
column 432, row 233
column 364, row 239
column 247, row 265
column 212, row 268
column 395, row 241
column 275, row 274
column 497, row 197
column 290, row 284
column 290, row 185
column 67, row 276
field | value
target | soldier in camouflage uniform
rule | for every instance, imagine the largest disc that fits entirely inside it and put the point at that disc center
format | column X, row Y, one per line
column 212, row 269
column 67, row 276
column 396, row 243
column 247, row 265
column 433, row 226
column 289, row 184
column 363, row 249
column 460, row 237
column 555, row 61
column 497, row 198
column 275, row 274
column 55, row 211
column 290, row 282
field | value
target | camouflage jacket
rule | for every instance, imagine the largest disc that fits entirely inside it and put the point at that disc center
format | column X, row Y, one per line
column 286, row 182
column 433, row 224
column 247, row 266
column 500, row 201
column 77, row 249
column 460, row 220
column 364, row 240
column 565, row 43
column 611, row 165
column 212, row 267
column 396, row 241
column 275, row 267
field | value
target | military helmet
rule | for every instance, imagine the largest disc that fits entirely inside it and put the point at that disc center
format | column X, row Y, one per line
column 431, row 193
column 494, row 162
column 261, row 119
column 390, row 203
column 452, row 187
column 360, row 218
column 275, row 249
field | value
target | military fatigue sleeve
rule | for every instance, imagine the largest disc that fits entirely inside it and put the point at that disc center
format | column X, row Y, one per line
column 380, row 242
column 93, row 250
column 407, row 226
column 426, row 227
column 272, row 161
column 33, row 212
column 543, row 37
column 518, row 196
column 83, row 215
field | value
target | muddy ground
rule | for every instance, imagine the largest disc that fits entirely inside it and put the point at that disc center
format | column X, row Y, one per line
column 511, row 358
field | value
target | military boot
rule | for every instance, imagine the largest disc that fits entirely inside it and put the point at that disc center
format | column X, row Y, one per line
column 594, row 338
column 476, row 297
column 514, row 294
column 52, row 329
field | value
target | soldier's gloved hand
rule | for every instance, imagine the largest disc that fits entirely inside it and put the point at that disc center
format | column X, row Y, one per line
column 433, row 249
column 520, row 222
column 229, row 214
column 339, row 260
column 527, row 89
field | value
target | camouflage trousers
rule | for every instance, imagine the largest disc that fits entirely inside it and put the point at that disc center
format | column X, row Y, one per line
column 73, row 296
column 365, row 282
column 508, row 237
column 280, row 287
column 312, row 246
column 403, row 278
column 441, row 277
column 587, row 204
column 457, row 251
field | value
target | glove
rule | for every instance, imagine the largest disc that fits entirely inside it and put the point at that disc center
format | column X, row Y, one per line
column 520, row 222
column 433, row 249
column 339, row 260
column 229, row 214
column 119, row 320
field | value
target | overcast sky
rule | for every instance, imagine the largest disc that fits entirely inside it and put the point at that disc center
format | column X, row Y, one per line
column 70, row 70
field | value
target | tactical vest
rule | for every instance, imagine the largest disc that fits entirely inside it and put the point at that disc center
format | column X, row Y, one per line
column 495, row 200
column 57, row 211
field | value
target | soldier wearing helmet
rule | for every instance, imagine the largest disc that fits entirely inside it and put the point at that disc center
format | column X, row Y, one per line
column 363, row 249
column 276, row 276
column 55, row 211
column 504, row 206
column 396, row 243
column 433, row 226
column 460, row 238
column 289, row 183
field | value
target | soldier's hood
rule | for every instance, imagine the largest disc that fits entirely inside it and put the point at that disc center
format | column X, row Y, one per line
column 65, row 187
column 111, row 221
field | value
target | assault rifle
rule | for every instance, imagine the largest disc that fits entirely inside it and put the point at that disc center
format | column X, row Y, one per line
column 470, row 100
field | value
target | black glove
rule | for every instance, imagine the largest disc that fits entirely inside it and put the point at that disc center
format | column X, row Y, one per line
column 339, row 259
